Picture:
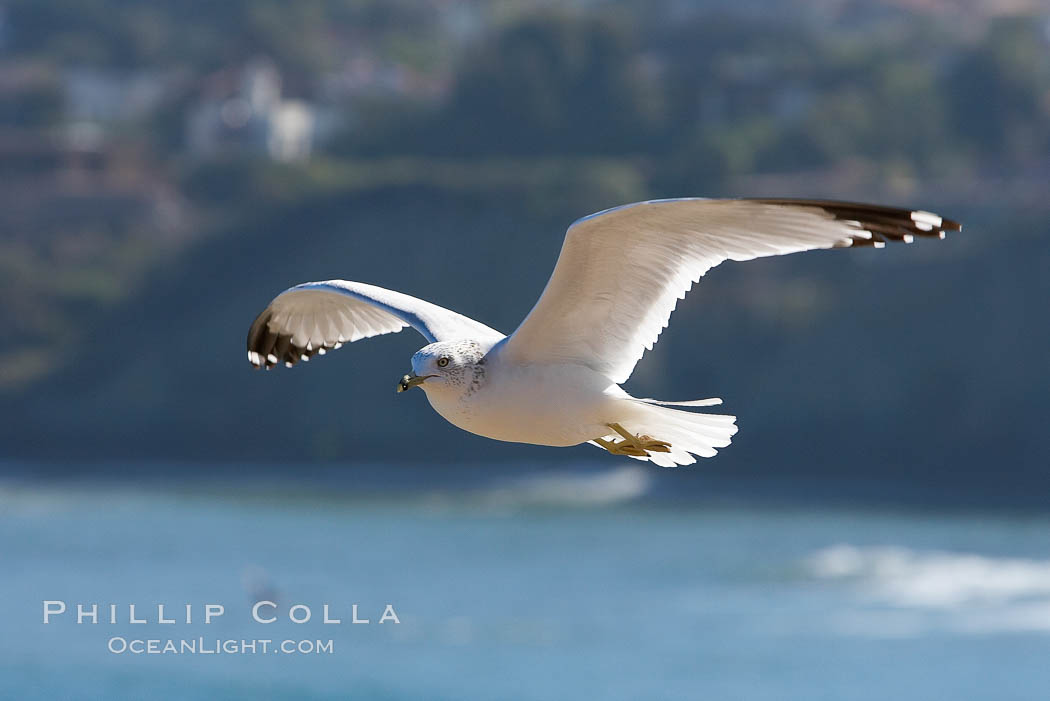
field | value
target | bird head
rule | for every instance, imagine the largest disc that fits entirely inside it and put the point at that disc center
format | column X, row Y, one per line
column 445, row 365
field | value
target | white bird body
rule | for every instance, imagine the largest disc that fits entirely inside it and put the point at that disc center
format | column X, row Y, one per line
column 554, row 405
column 555, row 380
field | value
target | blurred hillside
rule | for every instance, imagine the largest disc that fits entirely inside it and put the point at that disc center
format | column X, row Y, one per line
column 170, row 166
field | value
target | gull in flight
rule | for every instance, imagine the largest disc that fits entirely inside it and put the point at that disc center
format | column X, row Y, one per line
column 556, row 380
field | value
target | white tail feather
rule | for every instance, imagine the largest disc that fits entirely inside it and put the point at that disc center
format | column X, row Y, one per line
column 689, row 433
column 714, row 401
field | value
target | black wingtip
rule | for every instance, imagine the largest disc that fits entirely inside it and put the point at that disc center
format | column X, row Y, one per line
column 884, row 224
column 268, row 348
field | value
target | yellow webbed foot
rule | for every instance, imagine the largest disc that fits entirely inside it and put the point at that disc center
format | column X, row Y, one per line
column 632, row 445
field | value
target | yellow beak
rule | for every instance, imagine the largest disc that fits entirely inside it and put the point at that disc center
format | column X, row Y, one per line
column 409, row 381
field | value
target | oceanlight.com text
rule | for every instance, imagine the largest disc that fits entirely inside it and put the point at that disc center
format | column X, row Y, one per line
column 216, row 646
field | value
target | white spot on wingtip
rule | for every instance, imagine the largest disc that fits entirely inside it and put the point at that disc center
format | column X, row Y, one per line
column 940, row 235
column 271, row 358
column 288, row 363
column 926, row 218
column 908, row 238
column 322, row 350
column 879, row 244
column 338, row 345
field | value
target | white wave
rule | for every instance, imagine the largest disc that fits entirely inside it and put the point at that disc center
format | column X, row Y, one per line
column 37, row 500
column 566, row 488
column 916, row 591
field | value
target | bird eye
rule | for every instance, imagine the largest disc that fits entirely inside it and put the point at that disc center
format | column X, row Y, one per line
column 442, row 362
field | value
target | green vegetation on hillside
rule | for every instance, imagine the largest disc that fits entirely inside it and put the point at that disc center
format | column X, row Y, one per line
column 169, row 164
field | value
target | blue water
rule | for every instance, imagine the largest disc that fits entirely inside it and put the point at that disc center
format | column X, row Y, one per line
column 555, row 588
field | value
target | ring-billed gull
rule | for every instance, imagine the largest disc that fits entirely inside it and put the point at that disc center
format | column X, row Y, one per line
column 556, row 380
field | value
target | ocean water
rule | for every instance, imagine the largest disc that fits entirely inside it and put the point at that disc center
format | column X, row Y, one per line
column 557, row 586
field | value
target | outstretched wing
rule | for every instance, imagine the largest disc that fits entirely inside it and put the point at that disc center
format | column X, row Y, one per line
column 315, row 317
column 622, row 271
